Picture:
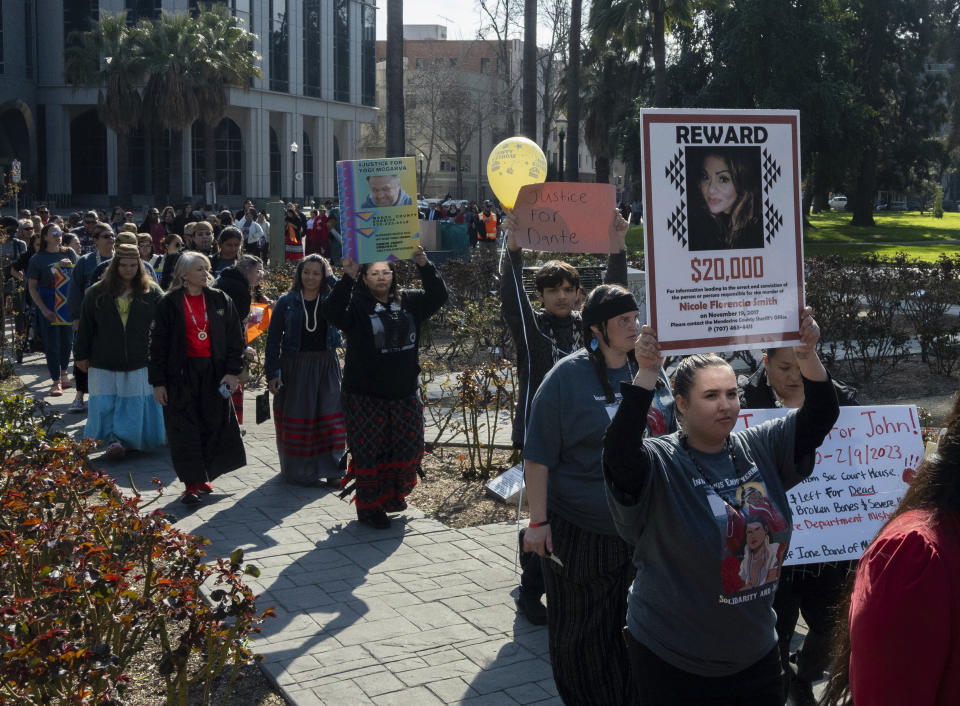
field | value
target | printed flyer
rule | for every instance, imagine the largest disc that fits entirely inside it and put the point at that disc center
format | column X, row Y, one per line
column 378, row 212
column 723, row 228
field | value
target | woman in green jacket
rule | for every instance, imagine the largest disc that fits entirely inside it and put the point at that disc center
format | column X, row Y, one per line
column 112, row 344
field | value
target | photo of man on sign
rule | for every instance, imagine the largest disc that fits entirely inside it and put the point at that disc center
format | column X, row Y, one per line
column 385, row 190
column 724, row 212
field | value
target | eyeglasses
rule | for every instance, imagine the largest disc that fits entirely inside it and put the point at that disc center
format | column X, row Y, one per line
column 26, row 229
column 43, row 210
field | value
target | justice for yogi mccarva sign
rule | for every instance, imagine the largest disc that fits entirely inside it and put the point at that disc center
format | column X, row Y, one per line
column 723, row 228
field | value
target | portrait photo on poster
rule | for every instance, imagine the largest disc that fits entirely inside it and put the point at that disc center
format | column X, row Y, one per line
column 385, row 190
column 724, row 209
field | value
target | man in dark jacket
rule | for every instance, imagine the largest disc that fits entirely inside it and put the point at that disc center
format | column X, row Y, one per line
column 813, row 590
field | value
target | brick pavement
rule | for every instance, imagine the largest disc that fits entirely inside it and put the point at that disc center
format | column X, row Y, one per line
column 417, row 614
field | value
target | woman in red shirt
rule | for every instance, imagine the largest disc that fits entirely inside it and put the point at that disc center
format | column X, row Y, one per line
column 899, row 643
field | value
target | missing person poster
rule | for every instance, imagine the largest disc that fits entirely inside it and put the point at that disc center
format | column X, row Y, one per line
column 862, row 471
column 379, row 218
column 723, row 228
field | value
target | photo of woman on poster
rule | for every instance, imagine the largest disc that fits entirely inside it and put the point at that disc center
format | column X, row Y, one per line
column 725, row 202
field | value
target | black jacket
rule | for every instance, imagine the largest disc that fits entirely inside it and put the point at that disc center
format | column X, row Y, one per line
column 105, row 341
column 756, row 393
column 168, row 345
column 235, row 284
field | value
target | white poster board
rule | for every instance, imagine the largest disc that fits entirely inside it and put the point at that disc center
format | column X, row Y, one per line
column 723, row 228
column 862, row 471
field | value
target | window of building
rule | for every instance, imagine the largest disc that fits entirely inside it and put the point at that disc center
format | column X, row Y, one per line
column 484, row 65
column 419, row 62
column 448, row 163
column 275, row 163
column 453, row 62
column 1, row 38
column 341, row 50
column 279, row 46
column 78, row 16
column 307, row 167
column 142, row 10
column 241, row 9
column 311, row 48
column 88, row 154
column 368, row 55
column 228, row 156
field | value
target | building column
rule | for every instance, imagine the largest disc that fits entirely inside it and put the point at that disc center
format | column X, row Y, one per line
column 326, row 52
column 186, row 163
column 256, row 152
column 58, row 150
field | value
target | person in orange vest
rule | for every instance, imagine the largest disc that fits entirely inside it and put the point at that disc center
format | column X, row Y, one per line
column 488, row 226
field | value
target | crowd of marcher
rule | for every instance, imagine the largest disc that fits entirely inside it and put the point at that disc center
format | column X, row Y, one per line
column 657, row 534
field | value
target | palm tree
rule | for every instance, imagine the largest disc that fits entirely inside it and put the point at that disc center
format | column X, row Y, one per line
column 530, row 69
column 395, row 118
column 626, row 18
column 572, row 170
column 224, row 58
column 106, row 58
column 606, row 103
column 170, row 47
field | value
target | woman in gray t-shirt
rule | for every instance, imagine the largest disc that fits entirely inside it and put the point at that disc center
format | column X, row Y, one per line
column 707, row 513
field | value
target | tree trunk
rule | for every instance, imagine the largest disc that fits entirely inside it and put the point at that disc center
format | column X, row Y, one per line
column 459, row 171
column 603, row 170
column 530, row 69
column 396, row 139
column 659, row 54
column 124, row 187
column 864, row 194
column 209, row 159
column 176, row 166
column 572, row 167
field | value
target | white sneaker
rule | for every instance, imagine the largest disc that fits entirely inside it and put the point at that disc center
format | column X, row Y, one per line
column 78, row 405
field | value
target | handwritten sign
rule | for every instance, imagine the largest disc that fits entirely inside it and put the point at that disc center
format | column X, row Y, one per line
column 565, row 217
column 379, row 218
column 723, row 228
column 862, row 471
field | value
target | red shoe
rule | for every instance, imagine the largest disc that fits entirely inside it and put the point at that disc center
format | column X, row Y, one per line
column 203, row 488
column 65, row 382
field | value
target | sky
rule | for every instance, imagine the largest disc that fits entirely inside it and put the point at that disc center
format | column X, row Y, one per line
column 461, row 17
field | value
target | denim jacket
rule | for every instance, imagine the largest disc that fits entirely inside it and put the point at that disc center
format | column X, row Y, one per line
column 286, row 324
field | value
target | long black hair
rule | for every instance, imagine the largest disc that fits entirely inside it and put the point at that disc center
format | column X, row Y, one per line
column 297, row 285
column 935, row 487
column 601, row 300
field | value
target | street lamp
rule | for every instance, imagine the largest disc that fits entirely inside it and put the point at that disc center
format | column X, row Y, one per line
column 422, row 190
column 562, row 135
column 294, row 148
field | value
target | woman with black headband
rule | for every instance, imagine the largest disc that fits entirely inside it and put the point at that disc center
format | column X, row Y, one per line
column 707, row 514
column 587, row 568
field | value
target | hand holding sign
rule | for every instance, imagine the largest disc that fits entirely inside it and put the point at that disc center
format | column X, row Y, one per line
column 647, row 351
column 563, row 217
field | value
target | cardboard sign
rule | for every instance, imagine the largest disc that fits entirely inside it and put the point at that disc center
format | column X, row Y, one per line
column 862, row 471
column 378, row 212
column 565, row 217
column 723, row 228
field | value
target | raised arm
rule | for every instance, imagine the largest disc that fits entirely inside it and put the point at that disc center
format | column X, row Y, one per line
column 617, row 260
column 337, row 304
column 435, row 290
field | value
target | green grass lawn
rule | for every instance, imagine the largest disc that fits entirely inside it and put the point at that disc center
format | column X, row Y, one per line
column 920, row 236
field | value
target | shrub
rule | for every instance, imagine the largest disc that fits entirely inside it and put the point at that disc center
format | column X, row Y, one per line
column 88, row 578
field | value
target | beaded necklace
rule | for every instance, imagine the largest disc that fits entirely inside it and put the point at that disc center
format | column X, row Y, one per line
column 201, row 332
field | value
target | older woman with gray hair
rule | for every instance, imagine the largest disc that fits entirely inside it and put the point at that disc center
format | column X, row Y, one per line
column 196, row 353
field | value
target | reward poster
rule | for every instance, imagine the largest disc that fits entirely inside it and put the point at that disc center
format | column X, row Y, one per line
column 723, row 228
column 379, row 218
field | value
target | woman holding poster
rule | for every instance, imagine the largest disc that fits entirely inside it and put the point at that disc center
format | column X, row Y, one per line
column 700, row 623
column 380, row 393
column 898, row 641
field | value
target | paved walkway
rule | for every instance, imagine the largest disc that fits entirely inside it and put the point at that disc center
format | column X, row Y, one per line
column 417, row 614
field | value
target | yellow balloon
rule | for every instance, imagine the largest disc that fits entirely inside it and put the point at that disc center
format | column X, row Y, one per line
column 515, row 162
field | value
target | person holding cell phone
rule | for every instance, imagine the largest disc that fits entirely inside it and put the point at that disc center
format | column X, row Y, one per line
column 196, row 353
column 588, row 567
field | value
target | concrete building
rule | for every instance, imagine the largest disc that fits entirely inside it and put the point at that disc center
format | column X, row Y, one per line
column 317, row 89
column 437, row 72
